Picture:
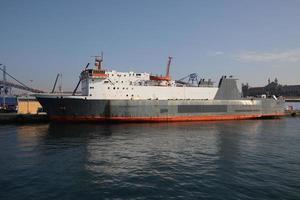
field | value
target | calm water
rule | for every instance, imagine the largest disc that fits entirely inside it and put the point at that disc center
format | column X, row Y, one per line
column 255, row 159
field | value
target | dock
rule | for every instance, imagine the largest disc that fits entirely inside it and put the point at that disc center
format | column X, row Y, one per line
column 294, row 100
column 292, row 113
column 7, row 118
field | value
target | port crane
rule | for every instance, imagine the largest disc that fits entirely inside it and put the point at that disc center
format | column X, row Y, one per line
column 192, row 79
column 7, row 84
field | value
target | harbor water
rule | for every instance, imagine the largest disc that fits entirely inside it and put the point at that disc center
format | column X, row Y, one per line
column 251, row 159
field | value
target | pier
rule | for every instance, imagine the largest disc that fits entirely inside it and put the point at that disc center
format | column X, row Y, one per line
column 292, row 113
column 8, row 118
column 297, row 99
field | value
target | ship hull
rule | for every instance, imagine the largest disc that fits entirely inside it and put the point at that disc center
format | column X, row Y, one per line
column 82, row 109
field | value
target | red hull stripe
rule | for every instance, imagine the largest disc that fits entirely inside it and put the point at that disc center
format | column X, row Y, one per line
column 161, row 119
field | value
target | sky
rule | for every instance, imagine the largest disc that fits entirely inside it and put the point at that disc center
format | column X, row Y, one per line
column 251, row 40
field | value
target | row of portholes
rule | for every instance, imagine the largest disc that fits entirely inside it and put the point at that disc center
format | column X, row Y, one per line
column 117, row 88
column 126, row 95
column 124, row 75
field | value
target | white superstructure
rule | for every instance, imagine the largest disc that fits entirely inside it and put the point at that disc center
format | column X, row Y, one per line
column 101, row 84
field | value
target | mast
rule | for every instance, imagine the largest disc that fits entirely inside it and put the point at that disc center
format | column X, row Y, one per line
column 168, row 66
column 99, row 61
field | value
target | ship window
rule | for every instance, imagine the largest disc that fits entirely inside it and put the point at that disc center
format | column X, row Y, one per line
column 108, row 88
column 105, row 81
column 114, row 88
column 117, row 81
column 90, row 94
column 121, row 81
column 126, row 88
column 124, row 75
column 132, row 95
column 91, row 87
column 126, row 95
column 123, row 88
column 92, row 79
column 138, row 74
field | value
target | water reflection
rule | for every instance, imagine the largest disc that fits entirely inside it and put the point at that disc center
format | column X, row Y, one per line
column 122, row 149
column 115, row 160
column 160, row 148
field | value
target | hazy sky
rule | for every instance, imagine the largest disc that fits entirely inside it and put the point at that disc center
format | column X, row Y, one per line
column 252, row 40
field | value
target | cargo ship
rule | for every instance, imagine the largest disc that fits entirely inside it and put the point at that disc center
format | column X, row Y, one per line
column 142, row 97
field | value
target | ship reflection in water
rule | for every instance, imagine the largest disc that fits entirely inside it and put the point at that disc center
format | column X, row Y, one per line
column 212, row 160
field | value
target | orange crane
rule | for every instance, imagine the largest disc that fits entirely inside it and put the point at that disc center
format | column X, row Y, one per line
column 167, row 76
